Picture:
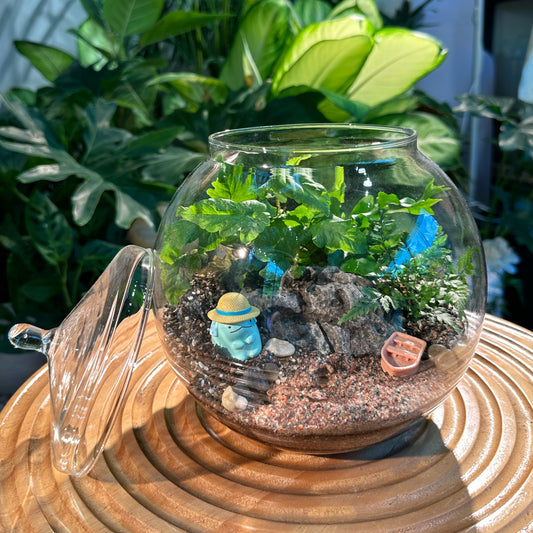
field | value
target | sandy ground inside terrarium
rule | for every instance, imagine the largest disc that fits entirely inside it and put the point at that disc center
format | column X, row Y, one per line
column 312, row 392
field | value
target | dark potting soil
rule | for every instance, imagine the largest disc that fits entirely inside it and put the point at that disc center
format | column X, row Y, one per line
column 312, row 392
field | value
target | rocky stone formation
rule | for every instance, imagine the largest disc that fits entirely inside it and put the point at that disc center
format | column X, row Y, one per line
column 309, row 308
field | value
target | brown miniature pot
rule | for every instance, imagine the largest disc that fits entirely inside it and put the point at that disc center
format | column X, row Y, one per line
column 401, row 354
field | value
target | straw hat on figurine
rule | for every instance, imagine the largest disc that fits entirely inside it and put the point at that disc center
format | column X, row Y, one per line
column 232, row 308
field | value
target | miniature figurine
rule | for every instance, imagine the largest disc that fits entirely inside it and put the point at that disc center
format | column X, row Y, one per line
column 234, row 326
column 401, row 354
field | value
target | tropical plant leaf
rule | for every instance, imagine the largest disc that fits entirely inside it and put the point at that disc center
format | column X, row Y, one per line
column 435, row 139
column 339, row 108
column 264, row 31
column 170, row 166
column 176, row 23
column 128, row 209
column 95, row 45
column 338, row 234
column 327, row 56
column 233, row 185
column 311, row 11
column 285, row 183
column 95, row 9
column 49, row 61
column 367, row 8
column 150, row 142
column 49, row 229
column 126, row 17
column 228, row 218
column 194, row 89
column 398, row 59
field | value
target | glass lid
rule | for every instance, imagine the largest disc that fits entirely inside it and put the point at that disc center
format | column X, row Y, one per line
column 91, row 356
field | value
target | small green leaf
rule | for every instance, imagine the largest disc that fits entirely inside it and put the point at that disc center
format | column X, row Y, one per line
column 177, row 235
column 49, row 61
column 364, row 206
column 177, row 23
column 49, row 229
column 364, row 266
column 41, row 288
column 230, row 219
column 385, row 200
column 233, row 185
column 291, row 183
column 338, row 234
column 126, row 17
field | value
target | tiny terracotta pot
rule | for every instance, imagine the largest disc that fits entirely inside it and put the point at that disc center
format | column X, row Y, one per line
column 401, row 354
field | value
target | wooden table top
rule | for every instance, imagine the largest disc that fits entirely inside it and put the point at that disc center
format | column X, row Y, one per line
column 468, row 467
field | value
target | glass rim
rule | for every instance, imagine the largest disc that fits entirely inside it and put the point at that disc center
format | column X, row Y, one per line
column 236, row 139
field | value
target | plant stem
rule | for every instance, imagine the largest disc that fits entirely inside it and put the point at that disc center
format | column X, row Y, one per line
column 62, row 271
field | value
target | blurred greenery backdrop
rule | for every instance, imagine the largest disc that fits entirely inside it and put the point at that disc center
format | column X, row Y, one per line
column 89, row 161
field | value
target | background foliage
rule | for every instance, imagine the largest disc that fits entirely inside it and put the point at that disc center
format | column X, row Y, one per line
column 101, row 149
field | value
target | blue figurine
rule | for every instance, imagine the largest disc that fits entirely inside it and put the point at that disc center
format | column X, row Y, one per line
column 234, row 326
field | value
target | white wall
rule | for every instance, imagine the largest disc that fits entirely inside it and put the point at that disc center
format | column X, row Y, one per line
column 41, row 21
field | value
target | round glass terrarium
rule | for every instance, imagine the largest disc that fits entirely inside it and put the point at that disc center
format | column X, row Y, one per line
column 319, row 288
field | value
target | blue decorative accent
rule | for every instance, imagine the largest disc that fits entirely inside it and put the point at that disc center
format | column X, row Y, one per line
column 240, row 341
column 234, row 313
column 421, row 238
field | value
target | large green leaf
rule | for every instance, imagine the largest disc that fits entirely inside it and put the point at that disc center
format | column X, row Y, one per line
column 398, row 59
column 176, row 23
column 170, row 166
column 326, row 55
column 435, row 139
column 49, row 229
column 367, row 8
column 258, row 43
column 126, row 17
column 49, row 61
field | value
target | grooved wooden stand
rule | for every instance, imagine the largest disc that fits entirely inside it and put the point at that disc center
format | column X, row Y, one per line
column 469, row 467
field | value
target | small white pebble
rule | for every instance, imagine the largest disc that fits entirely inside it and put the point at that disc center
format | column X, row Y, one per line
column 232, row 401
column 280, row 348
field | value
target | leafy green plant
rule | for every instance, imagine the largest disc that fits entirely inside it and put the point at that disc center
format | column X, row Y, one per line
column 290, row 220
column 510, row 210
column 428, row 287
column 105, row 144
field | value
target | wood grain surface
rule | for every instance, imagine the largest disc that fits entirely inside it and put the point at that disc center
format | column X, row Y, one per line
column 168, row 467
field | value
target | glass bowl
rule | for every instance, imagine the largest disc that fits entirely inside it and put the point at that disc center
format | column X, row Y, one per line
column 319, row 288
